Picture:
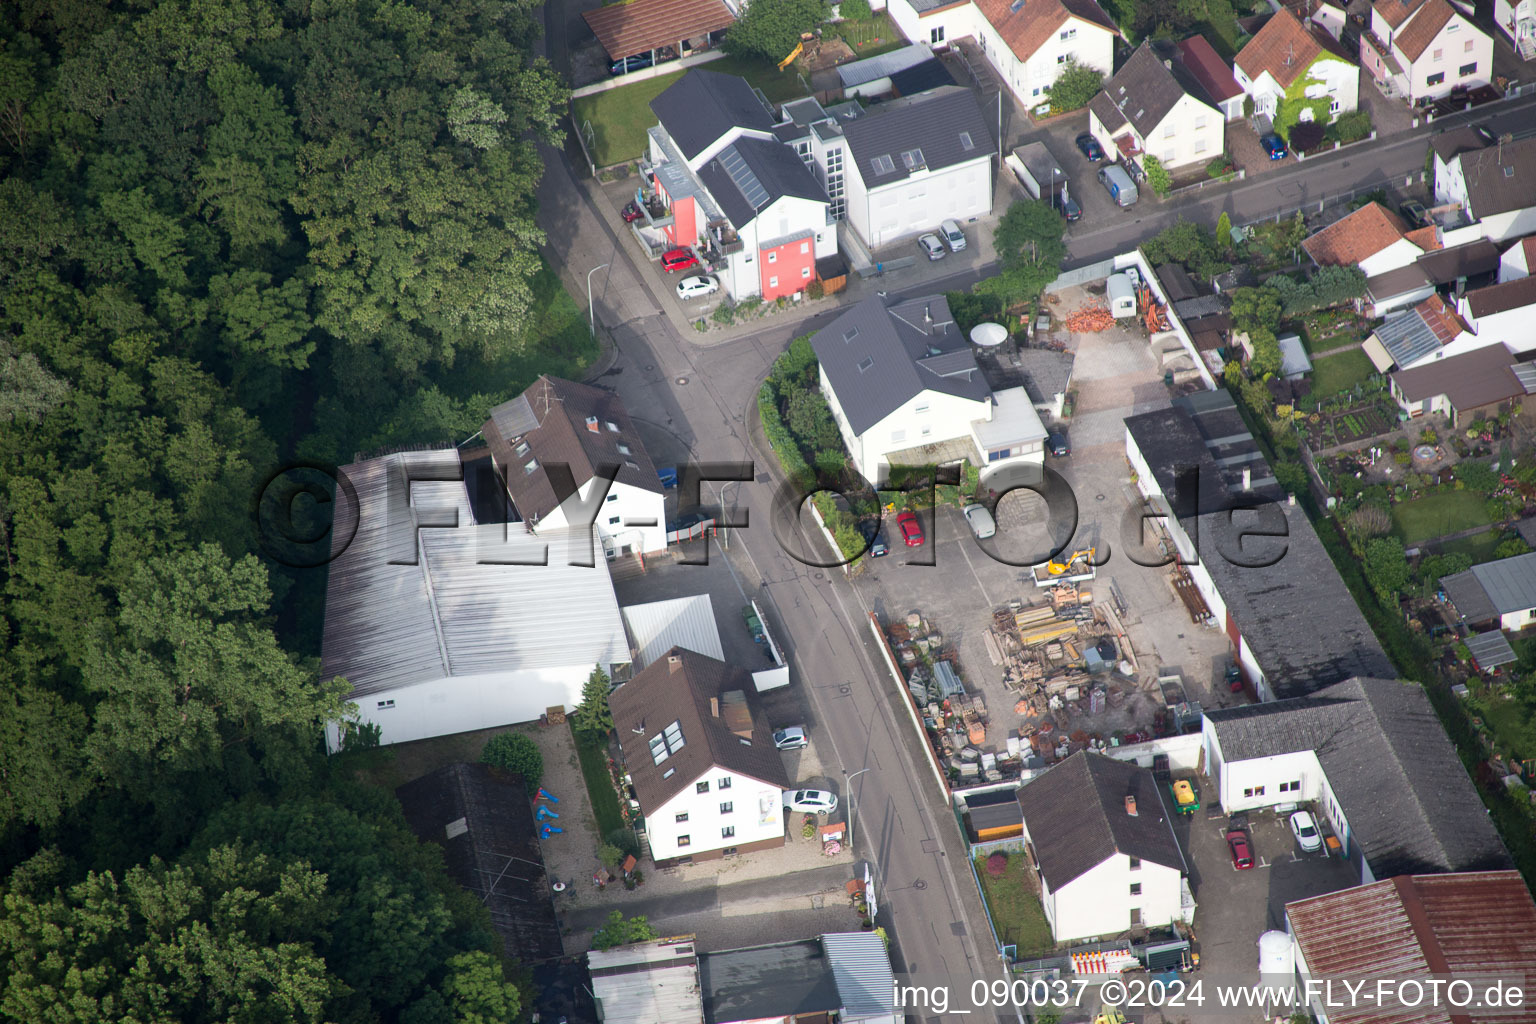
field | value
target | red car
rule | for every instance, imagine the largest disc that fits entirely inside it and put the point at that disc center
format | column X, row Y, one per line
column 678, row 259
column 1242, row 852
column 911, row 529
column 632, row 212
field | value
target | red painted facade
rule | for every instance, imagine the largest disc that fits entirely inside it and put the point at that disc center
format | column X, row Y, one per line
column 684, row 229
column 786, row 269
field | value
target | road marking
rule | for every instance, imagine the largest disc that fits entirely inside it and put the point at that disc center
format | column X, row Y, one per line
column 972, row 566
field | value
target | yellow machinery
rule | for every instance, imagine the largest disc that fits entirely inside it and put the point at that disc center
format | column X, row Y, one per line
column 1059, row 568
column 797, row 51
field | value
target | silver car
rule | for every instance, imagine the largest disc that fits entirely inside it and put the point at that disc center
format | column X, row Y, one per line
column 931, row 246
column 811, row 801
column 792, row 738
column 1304, row 828
column 982, row 523
column 953, row 236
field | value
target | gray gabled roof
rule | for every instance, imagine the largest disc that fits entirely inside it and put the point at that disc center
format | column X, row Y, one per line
column 1145, row 90
column 1076, row 817
column 697, row 109
column 750, row 175
column 1500, row 178
column 935, row 125
column 1390, row 765
column 877, row 357
column 1046, row 373
column 1494, row 588
column 1491, row 649
column 870, row 69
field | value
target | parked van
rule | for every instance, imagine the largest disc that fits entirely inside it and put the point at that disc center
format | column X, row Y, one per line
column 1118, row 184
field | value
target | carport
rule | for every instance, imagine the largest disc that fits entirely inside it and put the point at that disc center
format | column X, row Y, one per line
column 647, row 26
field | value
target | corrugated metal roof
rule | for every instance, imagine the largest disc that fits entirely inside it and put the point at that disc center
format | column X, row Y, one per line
column 862, row 968
column 883, row 65
column 1491, row 649
column 949, row 682
column 647, row 982
column 1407, row 337
column 1415, row 926
column 687, row 622
column 462, row 609
column 1510, row 583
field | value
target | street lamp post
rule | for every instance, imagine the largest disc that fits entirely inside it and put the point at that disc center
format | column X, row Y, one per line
column 853, row 803
column 590, row 319
column 721, row 492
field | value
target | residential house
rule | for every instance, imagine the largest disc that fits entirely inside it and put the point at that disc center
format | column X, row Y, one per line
column 1153, row 106
column 904, row 387
column 1371, row 756
column 1518, row 261
column 1501, row 594
column 1027, row 43
column 442, row 623
column 1502, row 312
column 1213, row 74
column 1414, row 926
column 701, row 759
column 1459, row 267
column 1428, row 332
column 1473, row 385
column 1420, row 50
column 1517, row 19
column 1495, row 186
column 903, row 166
column 1372, row 238
column 841, row 976
column 1196, row 465
column 1101, row 840
column 646, row 982
column 1296, row 73
column 480, row 818
column 751, row 207
column 653, row 26
column 572, row 458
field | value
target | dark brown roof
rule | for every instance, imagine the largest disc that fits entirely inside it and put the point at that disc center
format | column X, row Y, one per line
column 1500, row 178
column 1469, row 259
column 1283, row 47
column 482, row 818
column 1501, row 298
column 1176, row 282
column 640, row 26
column 1468, row 381
column 1027, row 28
column 1206, row 65
column 1144, row 91
column 1452, row 142
column 563, row 423
column 676, row 689
column 1076, row 817
column 1423, row 27
column 1397, row 11
column 1414, row 926
column 1397, row 282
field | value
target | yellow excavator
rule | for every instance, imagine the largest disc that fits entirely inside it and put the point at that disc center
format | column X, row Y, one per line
column 1060, row 568
column 797, row 51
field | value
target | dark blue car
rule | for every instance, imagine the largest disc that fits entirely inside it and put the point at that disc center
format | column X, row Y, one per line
column 1274, row 145
column 628, row 64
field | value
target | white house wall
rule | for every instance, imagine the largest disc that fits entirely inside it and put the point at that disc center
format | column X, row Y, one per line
column 1451, row 44
column 1099, row 902
column 1190, row 133
column 757, row 813
column 461, row 704
column 929, row 418
column 1089, row 44
column 1399, row 254
column 1516, row 621
column 631, row 506
column 1255, row 782
column 1340, row 81
column 918, row 203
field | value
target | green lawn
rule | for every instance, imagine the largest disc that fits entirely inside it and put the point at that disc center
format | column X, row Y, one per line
column 620, row 118
column 1015, row 910
column 593, row 754
column 1435, row 515
column 1332, row 374
column 778, row 86
column 1478, row 547
column 875, row 36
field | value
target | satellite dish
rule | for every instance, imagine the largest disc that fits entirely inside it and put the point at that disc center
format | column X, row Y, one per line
column 988, row 335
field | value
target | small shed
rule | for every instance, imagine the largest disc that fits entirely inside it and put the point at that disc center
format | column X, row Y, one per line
column 1122, row 296
column 1294, row 363
column 1490, row 650
column 995, row 815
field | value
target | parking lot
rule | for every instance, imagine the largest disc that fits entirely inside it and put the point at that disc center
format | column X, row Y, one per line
column 957, row 582
column 1233, row 908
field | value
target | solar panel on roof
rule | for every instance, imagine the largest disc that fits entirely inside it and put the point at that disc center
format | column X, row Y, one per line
column 746, row 182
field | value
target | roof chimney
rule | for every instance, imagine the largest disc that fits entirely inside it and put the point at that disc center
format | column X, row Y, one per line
column 928, row 313
column 1130, row 805
column 592, row 424
column 714, row 707
column 674, row 662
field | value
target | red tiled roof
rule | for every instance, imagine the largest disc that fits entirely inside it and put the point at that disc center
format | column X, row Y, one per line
column 1423, row 27
column 1027, row 28
column 1283, row 47
column 1427, row 239
column 644, row 25
column 1395, row 12
column 1206, row 65
column 1362, row 234
column 1441, row 319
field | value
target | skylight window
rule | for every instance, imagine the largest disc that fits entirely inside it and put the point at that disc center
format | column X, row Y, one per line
column 865, row 364
column 623, row 448
column 850, row 334
column 522, row 449
column 883, row 164
column 612, row 426
column 965, row 141
column 913, row 158
column 666, row 743
column 530, row 466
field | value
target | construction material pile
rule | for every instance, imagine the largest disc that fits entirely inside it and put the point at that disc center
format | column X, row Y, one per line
column 1090, row 320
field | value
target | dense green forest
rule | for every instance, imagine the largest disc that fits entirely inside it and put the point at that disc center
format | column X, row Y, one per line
column 234, row 233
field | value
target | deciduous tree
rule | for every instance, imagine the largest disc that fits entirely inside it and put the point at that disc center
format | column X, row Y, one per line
column 772, row 30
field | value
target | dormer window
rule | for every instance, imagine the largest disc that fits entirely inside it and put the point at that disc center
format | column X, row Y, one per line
column 521, row 449
column 592, row 424
column 530, row 466
column 623, row 449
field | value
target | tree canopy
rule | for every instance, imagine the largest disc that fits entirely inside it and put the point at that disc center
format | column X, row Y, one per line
column 772, row 30
column 1074, row 87
column 1029, row 245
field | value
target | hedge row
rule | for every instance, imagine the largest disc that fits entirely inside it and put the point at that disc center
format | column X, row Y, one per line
column 779, row 438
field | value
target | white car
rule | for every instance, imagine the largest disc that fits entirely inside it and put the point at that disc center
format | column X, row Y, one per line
column 982, row 523
column 697, row 287
column 792, row 738
column 812, row 801
column 1304, row 828
column 931, row 246
column 953, row 236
